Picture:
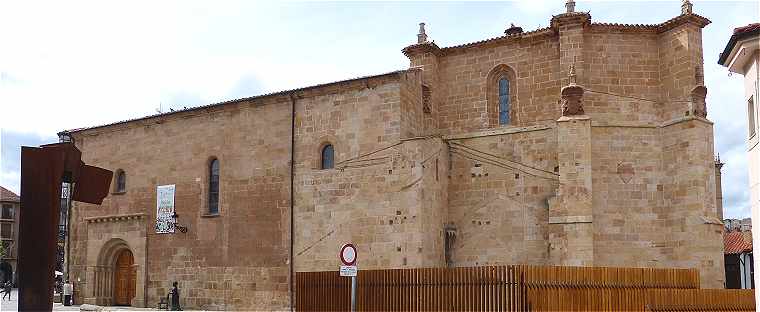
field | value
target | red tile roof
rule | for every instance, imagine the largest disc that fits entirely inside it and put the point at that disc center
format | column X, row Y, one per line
column 8, row 196
column 748, row 28
column 735, row 242
column 739, row 34
column 661, row 27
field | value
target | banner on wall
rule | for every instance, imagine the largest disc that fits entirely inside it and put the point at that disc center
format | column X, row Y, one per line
column 165, row 209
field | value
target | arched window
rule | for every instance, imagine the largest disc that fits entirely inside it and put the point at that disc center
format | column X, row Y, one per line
column 328, row 157
column 121, row 181
column 213, row 187
column 501, row 96
column 503, row 100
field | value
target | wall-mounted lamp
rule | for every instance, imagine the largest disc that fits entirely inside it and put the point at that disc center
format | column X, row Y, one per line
column 176, row 224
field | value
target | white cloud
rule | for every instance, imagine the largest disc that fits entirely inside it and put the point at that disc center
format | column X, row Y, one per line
column 11, row 180
column 71, row 64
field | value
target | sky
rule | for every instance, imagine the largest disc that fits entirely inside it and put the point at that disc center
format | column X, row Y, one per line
column 71, row 64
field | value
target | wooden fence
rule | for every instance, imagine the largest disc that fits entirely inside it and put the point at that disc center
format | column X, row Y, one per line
column 517, row 288
column 427, row 289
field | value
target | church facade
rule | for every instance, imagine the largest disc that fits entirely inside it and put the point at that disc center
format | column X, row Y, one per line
column 582, row 143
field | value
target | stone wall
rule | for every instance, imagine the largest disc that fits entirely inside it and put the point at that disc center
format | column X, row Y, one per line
column 373, row 196
column 424, row 175
column 613, row 205
column 247, row 241
column 499, row 186
column 463, row 75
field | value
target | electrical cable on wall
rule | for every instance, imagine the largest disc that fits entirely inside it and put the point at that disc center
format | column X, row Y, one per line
column 474, row 156
column 634, row 97
column 502, row 158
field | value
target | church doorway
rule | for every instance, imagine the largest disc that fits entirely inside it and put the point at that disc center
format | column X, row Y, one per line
column 124, row 278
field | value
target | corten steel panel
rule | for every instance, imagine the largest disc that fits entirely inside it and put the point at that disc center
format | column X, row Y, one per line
column 72, row 159
column 41, row 172
column 93, row 184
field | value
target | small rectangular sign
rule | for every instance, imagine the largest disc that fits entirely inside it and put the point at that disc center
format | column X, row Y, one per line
column 348, row 270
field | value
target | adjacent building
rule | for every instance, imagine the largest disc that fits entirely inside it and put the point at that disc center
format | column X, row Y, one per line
column 10, row 204
column 742, row 225
column 741, row 56
column 738, row 256
column 582, row 143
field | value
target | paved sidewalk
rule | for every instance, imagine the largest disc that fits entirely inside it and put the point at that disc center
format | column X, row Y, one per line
column 12, row 305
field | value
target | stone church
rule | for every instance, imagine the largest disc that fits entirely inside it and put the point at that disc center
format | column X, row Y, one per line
column 581, row 144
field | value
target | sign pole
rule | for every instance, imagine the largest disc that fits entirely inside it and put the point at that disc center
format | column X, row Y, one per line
column 353, row 293
column 348, row 257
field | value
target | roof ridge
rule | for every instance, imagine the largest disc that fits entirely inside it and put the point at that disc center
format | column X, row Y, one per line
column 7, row 195
column 264, row 95
column 658, row 26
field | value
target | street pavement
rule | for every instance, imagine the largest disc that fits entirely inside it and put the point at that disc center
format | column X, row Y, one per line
column 12, row 305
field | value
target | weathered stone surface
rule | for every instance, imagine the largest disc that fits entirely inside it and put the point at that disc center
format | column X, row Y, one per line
column 628, row 180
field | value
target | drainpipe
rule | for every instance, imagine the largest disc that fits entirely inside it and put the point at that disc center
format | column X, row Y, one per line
column 291, row 286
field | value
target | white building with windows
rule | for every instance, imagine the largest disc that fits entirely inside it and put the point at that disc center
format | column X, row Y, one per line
column 742, row 56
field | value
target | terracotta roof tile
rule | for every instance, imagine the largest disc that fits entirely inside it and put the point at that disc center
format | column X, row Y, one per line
column 504, row 37
column 740, row 33
column 240, row 100
column 664, row 26
column 748, row 28
column 7, row 196
column 735, row 242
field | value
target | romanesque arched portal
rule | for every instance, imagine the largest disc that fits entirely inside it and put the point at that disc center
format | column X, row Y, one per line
column 114, row 277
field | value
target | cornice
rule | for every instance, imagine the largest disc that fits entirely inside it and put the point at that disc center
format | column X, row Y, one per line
column 583, row 18
column 115, row 218
column 419, row 48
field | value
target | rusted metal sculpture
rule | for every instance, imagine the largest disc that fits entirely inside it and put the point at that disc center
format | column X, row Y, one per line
column 43, row 170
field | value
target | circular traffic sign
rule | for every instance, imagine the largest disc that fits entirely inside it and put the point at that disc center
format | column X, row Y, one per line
column 348, row 254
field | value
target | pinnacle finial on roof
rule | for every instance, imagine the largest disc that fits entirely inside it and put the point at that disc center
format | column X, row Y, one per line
column 686, row 7
column 571, row 75
column 570, row 5
column 421, row 36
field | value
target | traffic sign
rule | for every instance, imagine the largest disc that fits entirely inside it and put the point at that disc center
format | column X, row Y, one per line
column 348, row 254
column 348, row 257
column 348, row 270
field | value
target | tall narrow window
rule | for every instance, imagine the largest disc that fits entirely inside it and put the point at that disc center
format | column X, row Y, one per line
column 503, row 101
column 213, row 187
column 328, row 157
column 6, row 230
column 121, row 181
column 751, row 115
column 7, row 211
column 501, row 96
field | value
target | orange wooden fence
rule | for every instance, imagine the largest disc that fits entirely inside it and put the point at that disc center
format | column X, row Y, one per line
column 701, row 300
column 517, row 288
column 426, row 289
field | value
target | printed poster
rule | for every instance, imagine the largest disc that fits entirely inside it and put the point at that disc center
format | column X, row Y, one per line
column 165, row 209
